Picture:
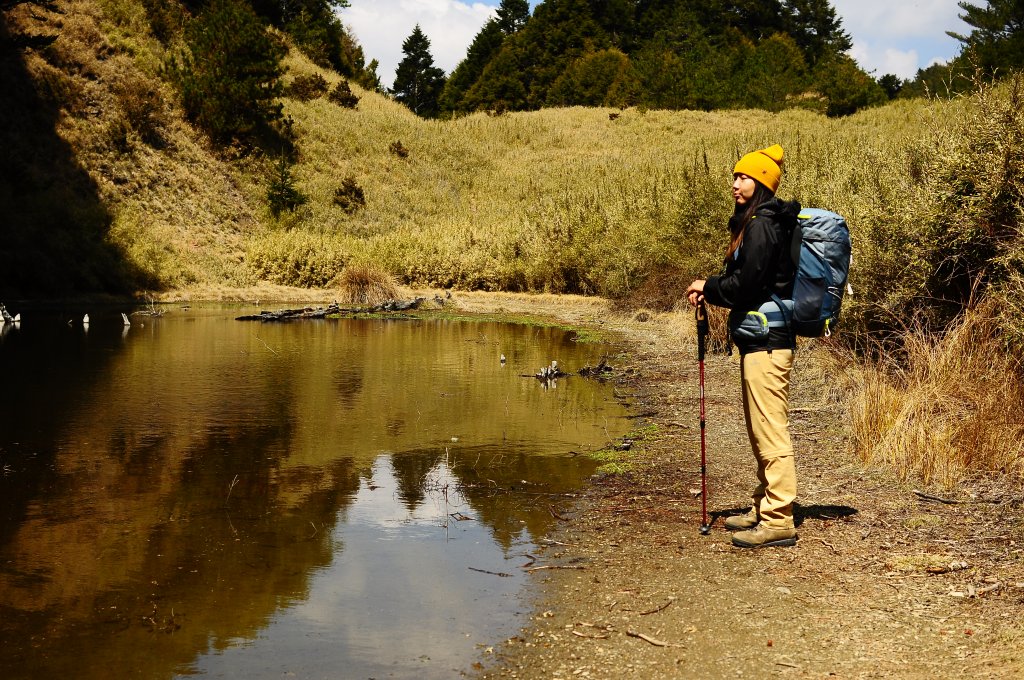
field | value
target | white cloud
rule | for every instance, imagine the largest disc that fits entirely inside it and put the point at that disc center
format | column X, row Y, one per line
column 381, row 26
column 900, row 19
column 900, row 36
column 903, row 64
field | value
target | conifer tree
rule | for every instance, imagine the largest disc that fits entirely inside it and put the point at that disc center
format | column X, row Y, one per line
column 775, row 71
column 230, row 78
column 512, row 15
column 816, row 29
column 559, row 32
column 846, row 86
column 418, row 83
column 997, row 41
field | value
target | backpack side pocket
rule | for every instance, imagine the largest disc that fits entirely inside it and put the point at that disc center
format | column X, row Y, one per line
column 748, row 327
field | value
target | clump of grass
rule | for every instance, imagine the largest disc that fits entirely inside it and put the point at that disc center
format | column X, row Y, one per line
column 296, row 258
column 948, row 406
column 364, row 284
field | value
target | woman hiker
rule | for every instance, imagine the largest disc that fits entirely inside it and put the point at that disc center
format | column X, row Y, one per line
column 758, row 264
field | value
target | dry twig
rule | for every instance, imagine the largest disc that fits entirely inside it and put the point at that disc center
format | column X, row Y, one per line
column 658, row 609
column 938, row 499
column 649, row 639
column 556, row 566
column 492, row 573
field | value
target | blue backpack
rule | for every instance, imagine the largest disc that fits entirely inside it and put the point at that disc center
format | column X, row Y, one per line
column 822, row 250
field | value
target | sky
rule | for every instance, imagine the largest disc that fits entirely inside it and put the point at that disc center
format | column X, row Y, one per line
column 889, row 36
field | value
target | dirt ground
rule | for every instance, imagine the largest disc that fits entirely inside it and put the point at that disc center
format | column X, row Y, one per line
column 884, row 581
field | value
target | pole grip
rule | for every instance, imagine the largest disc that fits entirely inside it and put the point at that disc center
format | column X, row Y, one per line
column 701, row 315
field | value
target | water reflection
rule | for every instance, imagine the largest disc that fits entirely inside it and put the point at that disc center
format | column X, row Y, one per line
column 199, row 495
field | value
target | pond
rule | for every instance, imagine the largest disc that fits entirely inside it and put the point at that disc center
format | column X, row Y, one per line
column 336, row 498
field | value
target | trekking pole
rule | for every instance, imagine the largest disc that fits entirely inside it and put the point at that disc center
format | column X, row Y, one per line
column 702, row 336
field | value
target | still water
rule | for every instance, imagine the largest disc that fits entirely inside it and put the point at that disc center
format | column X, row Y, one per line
column 199, row 496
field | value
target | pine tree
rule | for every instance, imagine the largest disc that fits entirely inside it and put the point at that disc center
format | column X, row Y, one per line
column 231, row 77
column 816, row 29
column 512, row 15
column 846, row 86
column 559, row 32
column 891, row 84
column 418, row 83
column 997, row 41
column 602, row 78
column 282, row 194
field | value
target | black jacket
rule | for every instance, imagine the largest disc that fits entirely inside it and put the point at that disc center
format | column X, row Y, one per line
column 763, row 264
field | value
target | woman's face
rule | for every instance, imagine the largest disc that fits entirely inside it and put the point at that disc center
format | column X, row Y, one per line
column 742, row 188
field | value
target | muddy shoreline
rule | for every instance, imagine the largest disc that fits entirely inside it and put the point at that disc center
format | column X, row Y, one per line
column 884, row 582
column 887, row 580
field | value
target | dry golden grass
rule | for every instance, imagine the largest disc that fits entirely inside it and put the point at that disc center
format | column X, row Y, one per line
column 951, row 406
column 367, row 285
column 568, row 201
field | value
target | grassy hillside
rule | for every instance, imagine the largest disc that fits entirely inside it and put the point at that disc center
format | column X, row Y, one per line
column 107, row 188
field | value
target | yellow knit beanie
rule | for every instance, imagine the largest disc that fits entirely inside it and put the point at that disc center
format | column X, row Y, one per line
column 764, row 165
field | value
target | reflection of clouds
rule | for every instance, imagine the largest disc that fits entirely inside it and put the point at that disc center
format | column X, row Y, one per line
column 400, row 599
column 141, row 438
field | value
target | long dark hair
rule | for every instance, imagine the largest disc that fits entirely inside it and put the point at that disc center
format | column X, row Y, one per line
column 742, row 215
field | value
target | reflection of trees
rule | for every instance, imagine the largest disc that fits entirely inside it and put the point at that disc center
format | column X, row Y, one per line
column 412, row 470
column 178, row 486
column 509, row 488
column 164, row 569
column 37, row 394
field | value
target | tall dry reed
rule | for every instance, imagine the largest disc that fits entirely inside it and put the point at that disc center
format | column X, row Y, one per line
column 365, row 284
column 947, row 405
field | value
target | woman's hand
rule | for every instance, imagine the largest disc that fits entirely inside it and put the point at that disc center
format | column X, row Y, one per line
column 695, row 293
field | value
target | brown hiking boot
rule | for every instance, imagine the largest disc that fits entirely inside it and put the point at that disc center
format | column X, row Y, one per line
column 741, row 522
column 763, row 536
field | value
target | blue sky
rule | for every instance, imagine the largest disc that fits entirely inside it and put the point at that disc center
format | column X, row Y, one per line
column 889, row 36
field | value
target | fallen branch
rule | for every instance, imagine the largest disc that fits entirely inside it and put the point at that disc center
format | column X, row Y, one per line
column 529, row 557
column 492, row 573
column 589, row 637
column 649, row 639
column 551, row 541
column 938, row 499
column 554, row 514
column 555, row 566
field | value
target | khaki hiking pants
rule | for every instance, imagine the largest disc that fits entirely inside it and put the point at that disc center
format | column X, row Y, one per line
column 765, row 377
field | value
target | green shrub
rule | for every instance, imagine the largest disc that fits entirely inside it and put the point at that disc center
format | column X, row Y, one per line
column 398, row 149
column 296, row 258
column 305, row 88
column 142, row 106
column 349, row 196
column 342, row 95
column 944, row 230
